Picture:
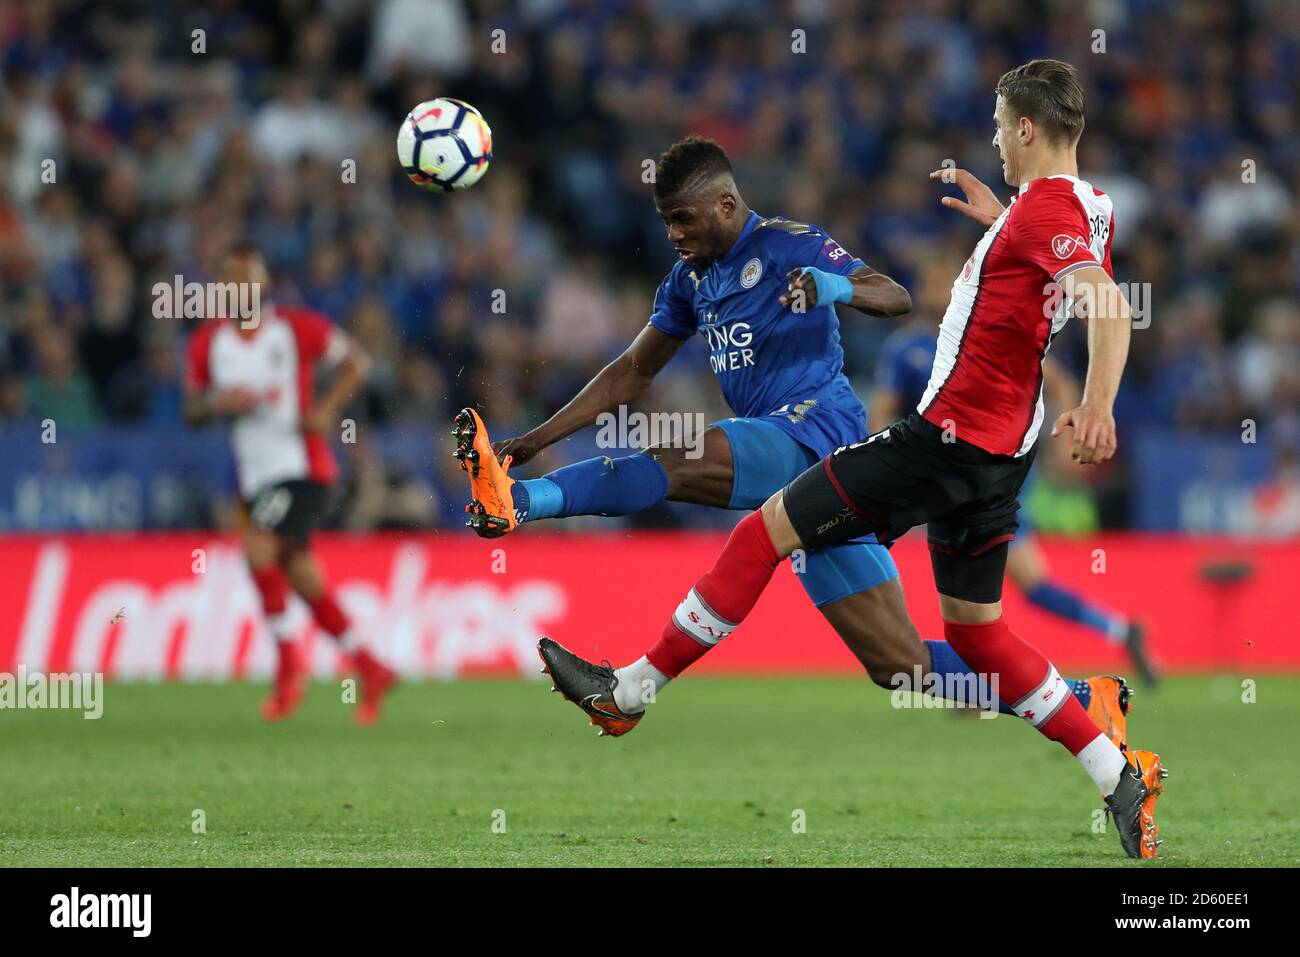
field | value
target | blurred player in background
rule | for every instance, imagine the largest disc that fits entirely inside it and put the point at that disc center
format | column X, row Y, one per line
column 762, row 292
column 901, row 379
column 259, row 374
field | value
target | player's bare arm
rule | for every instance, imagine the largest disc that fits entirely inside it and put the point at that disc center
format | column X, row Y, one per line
column 621, row 382
column 353, row 371
column 872, row 292
column 980, row 203
column 1102, row 305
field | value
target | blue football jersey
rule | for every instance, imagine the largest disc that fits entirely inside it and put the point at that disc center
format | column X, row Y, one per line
column 770, row 361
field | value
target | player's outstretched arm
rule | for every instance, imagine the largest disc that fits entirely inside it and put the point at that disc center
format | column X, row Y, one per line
column 864, row 289
column 980, row 204
column 1102, row 306
column 621, row 382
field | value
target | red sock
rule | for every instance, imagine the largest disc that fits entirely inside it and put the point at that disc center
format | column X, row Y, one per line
column 1026, row 680
column 720, row 600
column 329, row 615
column 273, row 587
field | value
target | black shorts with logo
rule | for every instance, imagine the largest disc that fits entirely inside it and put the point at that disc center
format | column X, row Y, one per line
column 292, row 509
column 913, row 473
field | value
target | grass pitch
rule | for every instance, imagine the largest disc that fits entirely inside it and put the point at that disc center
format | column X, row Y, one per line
column 494, row 772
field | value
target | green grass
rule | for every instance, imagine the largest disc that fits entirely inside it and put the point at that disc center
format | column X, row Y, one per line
column 712, row 776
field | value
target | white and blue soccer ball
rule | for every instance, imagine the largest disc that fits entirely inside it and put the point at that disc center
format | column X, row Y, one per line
column 444, row 144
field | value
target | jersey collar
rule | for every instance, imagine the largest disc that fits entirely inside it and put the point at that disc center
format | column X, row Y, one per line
column 1025, row 186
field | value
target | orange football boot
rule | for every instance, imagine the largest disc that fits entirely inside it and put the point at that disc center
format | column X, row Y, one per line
column 1108, row 708
column 492, row 506
column 1133, row 804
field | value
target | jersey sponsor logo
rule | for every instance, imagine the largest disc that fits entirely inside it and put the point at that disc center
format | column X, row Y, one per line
column 751, row 274
column 730, row 344
column 1064, row 245
column 836, row 251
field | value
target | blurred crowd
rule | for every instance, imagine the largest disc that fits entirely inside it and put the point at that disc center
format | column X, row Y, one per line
column 139, row 138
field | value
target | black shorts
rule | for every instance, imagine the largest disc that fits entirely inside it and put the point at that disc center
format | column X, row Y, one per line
column 913, row 474
column 292, row 510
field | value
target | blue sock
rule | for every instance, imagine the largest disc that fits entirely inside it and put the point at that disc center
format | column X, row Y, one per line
column 602, row 486
column 945, row 662
column 1064, row 603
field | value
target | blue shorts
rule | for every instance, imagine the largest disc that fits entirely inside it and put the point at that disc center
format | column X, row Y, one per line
column 765, row 459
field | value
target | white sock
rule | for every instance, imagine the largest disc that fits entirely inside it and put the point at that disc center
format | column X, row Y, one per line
column 638, row 683
column 1104, row 763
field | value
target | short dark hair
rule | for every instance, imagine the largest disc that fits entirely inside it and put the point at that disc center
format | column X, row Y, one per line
column 688, row 164
column 1049, row 93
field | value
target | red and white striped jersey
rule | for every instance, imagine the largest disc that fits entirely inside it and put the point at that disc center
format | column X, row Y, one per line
column 277, row 362
column 986, row 385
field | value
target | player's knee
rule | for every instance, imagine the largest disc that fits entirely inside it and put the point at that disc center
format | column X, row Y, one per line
column 702, row 480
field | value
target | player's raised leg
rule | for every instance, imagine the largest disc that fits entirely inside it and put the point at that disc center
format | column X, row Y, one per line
column 606, row 485
column 854, row 585
column 857, row 590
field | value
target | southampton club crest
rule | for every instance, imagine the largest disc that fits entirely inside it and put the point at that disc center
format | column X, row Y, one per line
column 751, row 274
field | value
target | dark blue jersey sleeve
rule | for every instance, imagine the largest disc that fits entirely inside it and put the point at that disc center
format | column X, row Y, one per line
column 673, row 314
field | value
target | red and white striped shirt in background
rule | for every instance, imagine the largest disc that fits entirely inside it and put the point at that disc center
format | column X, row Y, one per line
column 276, row 361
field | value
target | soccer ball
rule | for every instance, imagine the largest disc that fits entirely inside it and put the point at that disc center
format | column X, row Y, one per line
column 444, row 144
